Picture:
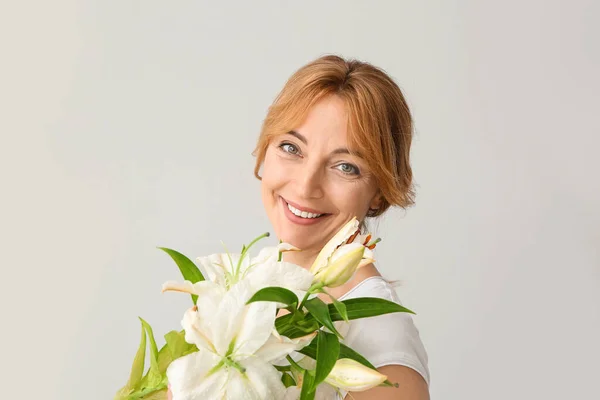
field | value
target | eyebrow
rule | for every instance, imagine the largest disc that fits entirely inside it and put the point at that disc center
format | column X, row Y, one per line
column 341, row 150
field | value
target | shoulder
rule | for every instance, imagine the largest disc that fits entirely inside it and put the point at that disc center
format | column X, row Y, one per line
column 389, row 339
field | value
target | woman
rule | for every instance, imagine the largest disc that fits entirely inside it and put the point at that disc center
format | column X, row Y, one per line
column 335, row 144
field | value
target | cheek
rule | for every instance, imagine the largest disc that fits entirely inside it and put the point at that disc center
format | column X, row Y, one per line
column 351, row 199
column 274, row 174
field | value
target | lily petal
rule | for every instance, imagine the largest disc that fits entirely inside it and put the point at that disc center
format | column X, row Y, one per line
column 221, row 265
column 292, row 393
column 271, row 254
column 344, row 251
column 339, row 238
column 195, row 333
column 229, row 320
column 365, row 261
column 187, row 376
column 277, row 347
column 283, row 247
column 342, row 266
column 265, row 380
column 352, row 376
column 282, row 274
column 207, row 305
column 250, row 325
column 184, row 287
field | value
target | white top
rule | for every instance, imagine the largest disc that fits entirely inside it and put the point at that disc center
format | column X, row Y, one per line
column 389, row 339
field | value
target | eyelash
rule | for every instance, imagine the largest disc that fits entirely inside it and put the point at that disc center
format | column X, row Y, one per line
column 355, row 168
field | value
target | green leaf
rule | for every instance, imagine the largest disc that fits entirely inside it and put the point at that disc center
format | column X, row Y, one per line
column 319, row 310
column 177, row 345
column 164, row 358
column 286, row 325
column 188, row 269
column 308, row 386
column 154, row 377
column 287, row 380
column 345, row 352
column 283, row 321
column 150, row 393
column 157, row 395
column 282, row 368
column 340, row 308
column 328, row 349
column 363, row 307
column 274, row 293
column 137, row 370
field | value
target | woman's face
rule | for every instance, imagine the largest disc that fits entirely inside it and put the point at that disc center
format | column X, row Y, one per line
column 311, row 185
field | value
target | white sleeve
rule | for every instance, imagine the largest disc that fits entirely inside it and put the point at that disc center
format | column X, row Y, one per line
column 389, row 339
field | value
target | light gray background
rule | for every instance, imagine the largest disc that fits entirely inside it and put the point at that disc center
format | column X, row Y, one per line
column 129, row 124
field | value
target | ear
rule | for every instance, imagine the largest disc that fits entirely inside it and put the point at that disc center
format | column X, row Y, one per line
column 376, row 201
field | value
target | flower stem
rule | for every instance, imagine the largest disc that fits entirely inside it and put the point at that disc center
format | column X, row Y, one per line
column 246, row 248
column 315, row 288
column 294, row 363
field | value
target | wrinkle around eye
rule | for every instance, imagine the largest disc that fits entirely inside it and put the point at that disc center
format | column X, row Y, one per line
column 281, row 148
column 356, row 170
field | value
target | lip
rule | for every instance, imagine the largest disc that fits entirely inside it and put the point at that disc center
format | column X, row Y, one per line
column 298, row 207
column 299, row 220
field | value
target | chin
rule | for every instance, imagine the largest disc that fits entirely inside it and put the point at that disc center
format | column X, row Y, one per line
column 289, row 235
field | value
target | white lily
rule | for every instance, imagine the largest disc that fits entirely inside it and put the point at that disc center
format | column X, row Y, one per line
column 346, row 376
column 352, row 376
column 235, row 344
column 343, row 255
column 261, row 271
column 342, row 265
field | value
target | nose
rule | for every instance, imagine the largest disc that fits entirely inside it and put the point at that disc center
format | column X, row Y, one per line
column 309, row 181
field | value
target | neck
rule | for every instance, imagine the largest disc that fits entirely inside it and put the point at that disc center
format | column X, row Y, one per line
column 303, row 258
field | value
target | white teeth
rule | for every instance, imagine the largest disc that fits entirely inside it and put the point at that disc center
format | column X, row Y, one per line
column 303, row 214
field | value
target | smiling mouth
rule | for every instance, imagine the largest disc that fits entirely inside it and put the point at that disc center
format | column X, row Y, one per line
column 303, row 214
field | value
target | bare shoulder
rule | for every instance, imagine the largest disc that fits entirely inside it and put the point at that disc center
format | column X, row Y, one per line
column 411, row 386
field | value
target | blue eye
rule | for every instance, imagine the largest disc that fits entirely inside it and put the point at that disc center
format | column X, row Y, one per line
column 288, row 148
column 349, row 170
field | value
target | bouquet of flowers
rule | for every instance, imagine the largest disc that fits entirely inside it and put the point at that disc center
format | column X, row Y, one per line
column 257, row 328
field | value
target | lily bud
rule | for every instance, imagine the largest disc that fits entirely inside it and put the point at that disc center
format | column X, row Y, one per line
column 336, row 241
column 341, row 267
column 352, row 376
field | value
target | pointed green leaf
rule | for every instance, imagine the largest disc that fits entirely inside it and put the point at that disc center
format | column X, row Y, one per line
column 137, row 370
column 328, row 349
column 282, row 368
column 276, row 294
column 164, row 358
column 177, row 344
column 308, row 386
column 150, row 393
column 153, row 377
column 319, row 310
column 156, row 395
column 287, row 380
column 345, row 352
column 188, row 269
column 286, row 325
column 340, row 308
column 175, row 347
column 364, row 307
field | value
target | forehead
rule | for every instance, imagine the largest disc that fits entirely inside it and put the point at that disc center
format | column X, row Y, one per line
column 327, row 120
